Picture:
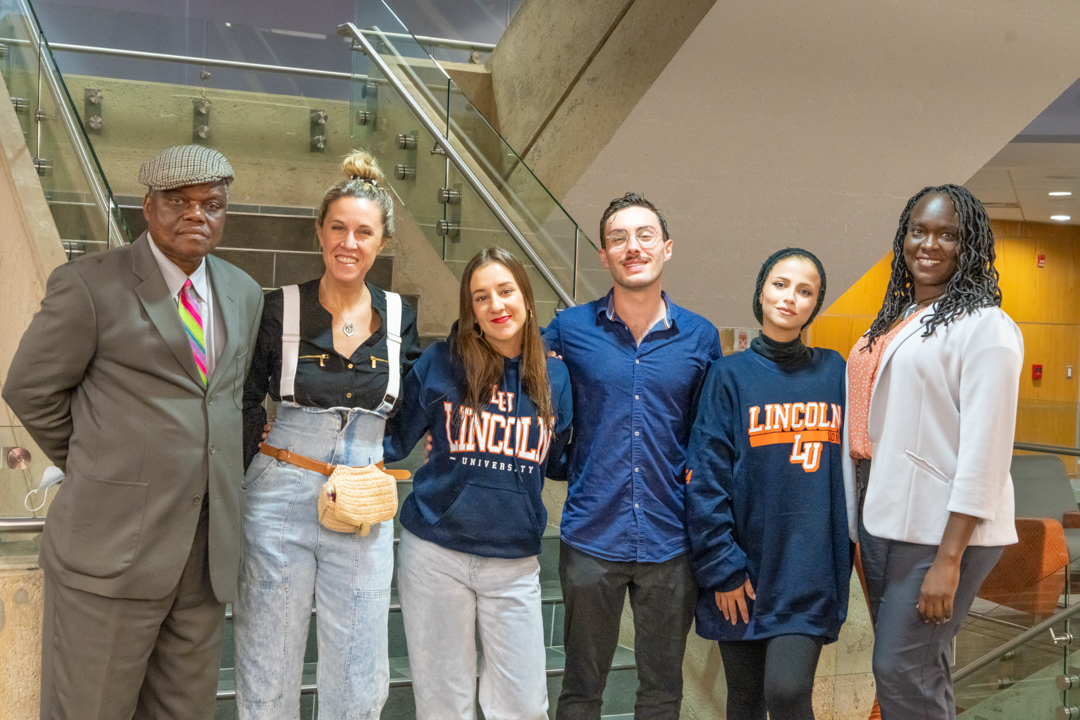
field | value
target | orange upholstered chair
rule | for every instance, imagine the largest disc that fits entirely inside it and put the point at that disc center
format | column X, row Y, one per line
column 1030, row 576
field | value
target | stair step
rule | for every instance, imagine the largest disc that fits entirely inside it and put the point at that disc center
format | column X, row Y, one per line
column 619, row 694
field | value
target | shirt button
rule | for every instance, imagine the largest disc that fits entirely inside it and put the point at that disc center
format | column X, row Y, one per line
column 637, row 362
column 349, row 395
column 213, row 449
column 350, row 366
column 636, row 397
column 196, row 499
column 636, row 433
column 635, row 504
column 210, row 401
column 637, row 469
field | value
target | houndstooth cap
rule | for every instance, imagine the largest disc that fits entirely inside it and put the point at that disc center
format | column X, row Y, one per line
column 185, row 165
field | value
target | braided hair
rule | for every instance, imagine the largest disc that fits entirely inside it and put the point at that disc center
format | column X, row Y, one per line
column 974, row 285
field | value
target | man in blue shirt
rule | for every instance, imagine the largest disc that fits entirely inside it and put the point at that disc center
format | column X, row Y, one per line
column 637, row 363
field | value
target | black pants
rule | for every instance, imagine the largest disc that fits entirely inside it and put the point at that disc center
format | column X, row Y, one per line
column 776, row 675
column 662, row 597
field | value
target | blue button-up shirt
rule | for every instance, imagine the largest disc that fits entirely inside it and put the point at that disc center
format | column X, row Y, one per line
column 634, row 407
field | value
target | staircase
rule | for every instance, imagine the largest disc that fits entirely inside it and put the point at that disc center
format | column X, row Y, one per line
column 485, row 196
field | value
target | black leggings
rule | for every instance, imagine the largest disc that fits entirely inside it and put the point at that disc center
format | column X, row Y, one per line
column 776, row 674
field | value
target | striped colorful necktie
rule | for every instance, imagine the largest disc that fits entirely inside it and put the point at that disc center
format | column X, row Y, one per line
column 192, row 319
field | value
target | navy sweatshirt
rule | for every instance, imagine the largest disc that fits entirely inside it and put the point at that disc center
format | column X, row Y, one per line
column 765, row 496
column 479, row 491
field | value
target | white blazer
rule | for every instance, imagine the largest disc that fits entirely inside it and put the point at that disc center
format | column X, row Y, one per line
column 926, row 462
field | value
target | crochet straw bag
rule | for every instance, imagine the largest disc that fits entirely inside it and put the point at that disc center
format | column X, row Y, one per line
column 355, row 498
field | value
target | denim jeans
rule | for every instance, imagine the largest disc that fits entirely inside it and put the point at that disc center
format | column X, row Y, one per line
column 288, row 559
column 446, row 596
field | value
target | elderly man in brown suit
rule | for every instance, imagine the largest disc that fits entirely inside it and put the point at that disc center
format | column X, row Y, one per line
column 130, row 379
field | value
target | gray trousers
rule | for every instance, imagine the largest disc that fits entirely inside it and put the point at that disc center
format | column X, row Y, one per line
column 912, row 657
column 113, row 658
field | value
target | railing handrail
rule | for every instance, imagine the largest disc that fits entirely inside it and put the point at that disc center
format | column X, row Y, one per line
column 349, row 29
column 1051, row 449
column 65, row 107
column 1016, row 642
column 187, row 59
column 437, row 42
column 481, row 158
column 22, row 525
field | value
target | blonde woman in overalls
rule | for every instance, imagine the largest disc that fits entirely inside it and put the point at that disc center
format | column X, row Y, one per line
column 332, row 351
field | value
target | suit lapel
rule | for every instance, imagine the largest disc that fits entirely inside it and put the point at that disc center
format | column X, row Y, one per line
column 227, row 300
column 908, row 331
column 161, row 308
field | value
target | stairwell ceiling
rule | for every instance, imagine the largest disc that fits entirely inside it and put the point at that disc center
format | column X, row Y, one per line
column 1044, row 158
column 809, row 124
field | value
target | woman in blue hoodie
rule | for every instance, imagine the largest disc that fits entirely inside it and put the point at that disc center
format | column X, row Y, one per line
column 765, row 503
column 496, row 408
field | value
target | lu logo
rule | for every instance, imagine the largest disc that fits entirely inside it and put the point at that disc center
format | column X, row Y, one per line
column 809, row 456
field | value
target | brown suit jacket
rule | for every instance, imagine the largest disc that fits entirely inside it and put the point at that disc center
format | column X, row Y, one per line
column 105, row 383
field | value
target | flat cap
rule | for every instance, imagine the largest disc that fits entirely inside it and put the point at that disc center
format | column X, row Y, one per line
column 185, row 165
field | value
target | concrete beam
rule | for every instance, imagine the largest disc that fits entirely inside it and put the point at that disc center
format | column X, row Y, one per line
column 566, row 74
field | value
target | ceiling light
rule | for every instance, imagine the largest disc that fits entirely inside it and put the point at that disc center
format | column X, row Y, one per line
column 1060, row 193
column 1061, row 218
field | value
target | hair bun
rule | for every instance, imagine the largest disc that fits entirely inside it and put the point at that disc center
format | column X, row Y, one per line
column 359, row 165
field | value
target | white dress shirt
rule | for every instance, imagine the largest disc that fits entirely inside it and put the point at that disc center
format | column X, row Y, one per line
column 213, row 325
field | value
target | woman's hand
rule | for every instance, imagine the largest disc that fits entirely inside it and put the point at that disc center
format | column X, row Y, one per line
column 938, row 590
column 939, row 586
column 733, row 604
column 267, row 428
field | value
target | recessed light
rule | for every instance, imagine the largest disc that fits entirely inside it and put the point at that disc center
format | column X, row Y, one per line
column 1061, row 218
column 1060, row 193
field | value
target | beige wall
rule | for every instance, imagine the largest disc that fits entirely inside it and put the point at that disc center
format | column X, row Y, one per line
column 809, row 124
column 29, row 250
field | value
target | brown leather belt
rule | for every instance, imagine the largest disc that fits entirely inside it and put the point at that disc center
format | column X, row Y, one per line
column 302, row 461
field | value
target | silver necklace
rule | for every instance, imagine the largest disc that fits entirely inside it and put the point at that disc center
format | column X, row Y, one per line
column 348, row 328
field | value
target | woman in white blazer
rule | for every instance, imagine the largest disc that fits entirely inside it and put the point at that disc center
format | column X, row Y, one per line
column 932, row 391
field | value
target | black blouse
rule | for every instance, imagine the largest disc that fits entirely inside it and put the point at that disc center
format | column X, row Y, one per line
column 324, row 378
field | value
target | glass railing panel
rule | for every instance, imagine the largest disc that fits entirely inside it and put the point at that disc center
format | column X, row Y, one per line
column 20, row 71
column 473, row 227
column 21, row 466
column 558, row 240
column 1021, row 684
column 1026, row 595
column 391, row 132
column 75, row 186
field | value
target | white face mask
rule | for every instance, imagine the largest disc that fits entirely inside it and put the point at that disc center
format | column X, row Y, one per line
column 50, row 477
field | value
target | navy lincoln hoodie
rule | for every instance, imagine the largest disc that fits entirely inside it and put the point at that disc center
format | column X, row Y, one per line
column 479, row 491
column 765, row 496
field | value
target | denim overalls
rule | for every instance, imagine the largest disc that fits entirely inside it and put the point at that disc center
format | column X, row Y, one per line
column 288, row 558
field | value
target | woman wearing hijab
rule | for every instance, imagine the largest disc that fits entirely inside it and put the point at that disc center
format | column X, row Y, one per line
column 765, row 500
